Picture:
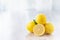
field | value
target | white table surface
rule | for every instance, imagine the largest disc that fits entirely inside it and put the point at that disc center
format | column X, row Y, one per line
column 12, row 26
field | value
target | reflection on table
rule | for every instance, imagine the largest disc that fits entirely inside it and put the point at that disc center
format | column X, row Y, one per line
column 31, row 36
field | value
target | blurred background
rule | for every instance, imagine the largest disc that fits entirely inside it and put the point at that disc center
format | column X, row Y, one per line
column 14, row 15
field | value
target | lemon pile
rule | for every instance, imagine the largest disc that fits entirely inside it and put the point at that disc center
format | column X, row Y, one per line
column 39, row 26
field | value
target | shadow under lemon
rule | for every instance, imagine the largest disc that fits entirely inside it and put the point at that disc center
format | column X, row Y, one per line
column 31, row 36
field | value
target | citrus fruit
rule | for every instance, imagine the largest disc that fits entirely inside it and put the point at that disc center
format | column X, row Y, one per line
column 41, row 19
column 49, row 28
column 39, row 29
column 30, row 26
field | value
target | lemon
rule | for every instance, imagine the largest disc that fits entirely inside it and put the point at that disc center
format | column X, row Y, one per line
column 30, row 26
column 49, row 28
column 41, row 19
column 39, row 30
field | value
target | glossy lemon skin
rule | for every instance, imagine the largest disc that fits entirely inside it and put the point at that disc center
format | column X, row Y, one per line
column 39, row 30
column 30, row 26
column 49, row 28
column 41, row 19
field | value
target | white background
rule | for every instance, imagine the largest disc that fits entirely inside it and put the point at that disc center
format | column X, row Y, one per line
column 14, row 15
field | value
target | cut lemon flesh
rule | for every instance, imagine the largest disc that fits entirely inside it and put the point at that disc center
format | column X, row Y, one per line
column 39, row 30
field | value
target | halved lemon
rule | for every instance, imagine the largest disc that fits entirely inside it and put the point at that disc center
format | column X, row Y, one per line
column 39, row 29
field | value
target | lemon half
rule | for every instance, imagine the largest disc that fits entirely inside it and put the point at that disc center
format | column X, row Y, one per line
column 39, row 30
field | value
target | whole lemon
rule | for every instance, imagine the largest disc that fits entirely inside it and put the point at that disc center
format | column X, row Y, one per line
column 41, row 19
column 30, row 26
column 49, row 28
